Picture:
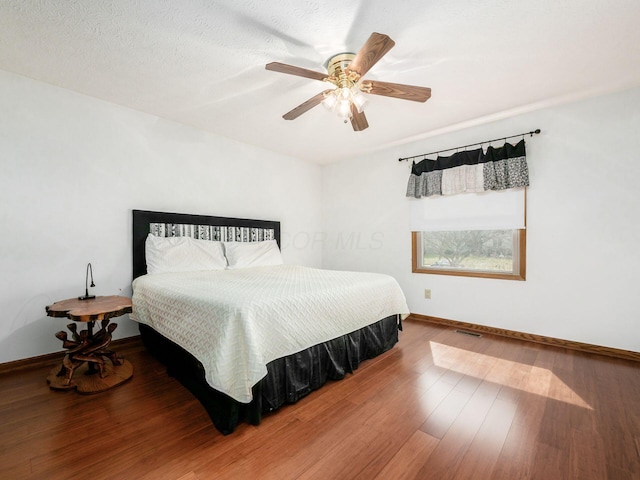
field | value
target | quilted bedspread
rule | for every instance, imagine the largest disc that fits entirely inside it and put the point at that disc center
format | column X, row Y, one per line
column 236, row 321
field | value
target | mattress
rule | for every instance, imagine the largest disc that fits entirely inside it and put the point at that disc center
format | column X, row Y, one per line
column 237, row 321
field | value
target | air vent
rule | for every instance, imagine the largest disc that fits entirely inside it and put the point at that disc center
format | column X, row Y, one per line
column 466, row 332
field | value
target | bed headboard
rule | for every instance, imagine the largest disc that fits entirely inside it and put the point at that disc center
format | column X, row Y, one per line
column 198, row 226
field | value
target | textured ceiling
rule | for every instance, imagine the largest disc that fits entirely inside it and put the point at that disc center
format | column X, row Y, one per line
column 201, row 62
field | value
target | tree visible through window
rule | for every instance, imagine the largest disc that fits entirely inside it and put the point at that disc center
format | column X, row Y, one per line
column 483, row 253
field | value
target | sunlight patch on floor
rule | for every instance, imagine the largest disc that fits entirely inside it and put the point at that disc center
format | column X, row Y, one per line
column 520, row 376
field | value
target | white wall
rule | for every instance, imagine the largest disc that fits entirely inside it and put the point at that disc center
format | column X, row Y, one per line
column 74, row 167
column 583, row 217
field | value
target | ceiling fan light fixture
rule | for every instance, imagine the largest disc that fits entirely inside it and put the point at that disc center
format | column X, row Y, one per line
column 345, row 92
column 330, row 100
column 343, row 109
column 340, row 99
column 358, row 99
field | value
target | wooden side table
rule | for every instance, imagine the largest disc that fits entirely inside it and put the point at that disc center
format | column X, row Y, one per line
column 89, row 365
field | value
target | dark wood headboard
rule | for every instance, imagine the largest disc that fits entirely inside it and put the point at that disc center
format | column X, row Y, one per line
column 171, row 224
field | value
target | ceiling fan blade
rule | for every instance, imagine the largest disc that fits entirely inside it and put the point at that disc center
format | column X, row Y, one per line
column 291, row 70
column 397, row 90
column 371, row 52
column 358, row 119
column 305, row 107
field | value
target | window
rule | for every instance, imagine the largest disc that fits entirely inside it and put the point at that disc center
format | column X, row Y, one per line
column 474, row 253
column 476, row 235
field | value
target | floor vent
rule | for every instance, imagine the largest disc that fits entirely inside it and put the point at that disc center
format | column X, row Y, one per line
column 465, row 332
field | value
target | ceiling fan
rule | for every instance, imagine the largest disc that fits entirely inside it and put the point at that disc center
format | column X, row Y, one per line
column 345, row 72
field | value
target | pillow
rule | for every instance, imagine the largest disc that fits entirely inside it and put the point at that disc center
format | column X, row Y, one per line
column 252, row 254
column 183, row 254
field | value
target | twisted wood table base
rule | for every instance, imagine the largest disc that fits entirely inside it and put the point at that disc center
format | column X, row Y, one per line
column 89, row 365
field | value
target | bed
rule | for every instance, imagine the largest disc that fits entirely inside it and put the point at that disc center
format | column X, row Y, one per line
column 245, row 341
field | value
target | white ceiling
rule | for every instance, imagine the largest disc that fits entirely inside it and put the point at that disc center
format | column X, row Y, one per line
column 201, row 62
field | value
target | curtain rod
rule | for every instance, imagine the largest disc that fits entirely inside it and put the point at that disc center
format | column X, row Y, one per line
column 536, row 131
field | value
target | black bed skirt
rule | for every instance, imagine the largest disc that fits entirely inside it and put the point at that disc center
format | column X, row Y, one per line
column 288, row 379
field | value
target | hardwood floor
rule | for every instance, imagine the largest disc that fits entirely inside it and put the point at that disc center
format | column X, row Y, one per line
column 440, row 405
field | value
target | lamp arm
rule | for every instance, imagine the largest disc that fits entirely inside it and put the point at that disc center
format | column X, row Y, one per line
column 86, row 295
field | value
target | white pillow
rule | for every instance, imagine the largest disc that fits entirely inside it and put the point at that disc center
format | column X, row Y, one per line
column 252, row 254
column 183, row 254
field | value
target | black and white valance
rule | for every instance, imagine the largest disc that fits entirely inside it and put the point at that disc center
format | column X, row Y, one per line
column 470, row 171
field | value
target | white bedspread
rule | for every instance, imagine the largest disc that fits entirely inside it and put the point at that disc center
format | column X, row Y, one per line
column 236, row 321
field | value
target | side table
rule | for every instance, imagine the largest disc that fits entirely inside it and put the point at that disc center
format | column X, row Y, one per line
column 89, row 365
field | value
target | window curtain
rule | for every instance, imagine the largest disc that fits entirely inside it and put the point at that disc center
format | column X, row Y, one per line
column 470, row 171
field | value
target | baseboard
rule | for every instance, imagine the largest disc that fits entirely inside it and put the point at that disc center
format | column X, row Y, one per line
column 52, row 359
column 530, row 337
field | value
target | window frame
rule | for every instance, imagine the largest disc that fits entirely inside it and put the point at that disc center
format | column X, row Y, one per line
column 520, row 274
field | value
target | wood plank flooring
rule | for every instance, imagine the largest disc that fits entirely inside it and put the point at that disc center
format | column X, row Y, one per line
column 440, row 405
